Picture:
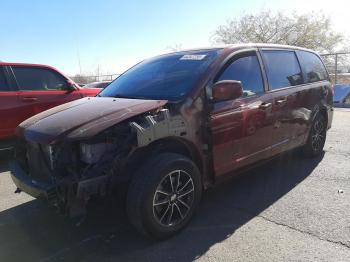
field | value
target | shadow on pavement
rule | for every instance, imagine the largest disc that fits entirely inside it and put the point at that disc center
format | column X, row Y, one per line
column 3, row 167
column 32, row 231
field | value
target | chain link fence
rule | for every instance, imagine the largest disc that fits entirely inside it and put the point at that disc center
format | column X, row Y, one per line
column 338, row 65
column 86, row 79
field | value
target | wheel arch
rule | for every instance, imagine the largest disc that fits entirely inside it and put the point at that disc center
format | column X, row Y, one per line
column 324, row 112
column 319, row 109
column 165, row 145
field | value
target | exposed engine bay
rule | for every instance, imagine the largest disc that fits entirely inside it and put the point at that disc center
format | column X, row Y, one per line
column 79, row 170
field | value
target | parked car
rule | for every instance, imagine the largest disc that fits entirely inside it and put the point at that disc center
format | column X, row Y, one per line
column 28, row 89
column 174, row 125
column 101, row 84
column 341, row 95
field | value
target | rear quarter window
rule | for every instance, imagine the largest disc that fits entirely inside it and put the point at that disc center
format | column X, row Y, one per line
column 313, row 68
column 282, row 68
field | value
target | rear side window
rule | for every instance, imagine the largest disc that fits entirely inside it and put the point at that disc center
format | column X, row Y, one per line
column 312, row 66
column 3, row 82
column 247, row 70
column 282, row 68
column 31, row 78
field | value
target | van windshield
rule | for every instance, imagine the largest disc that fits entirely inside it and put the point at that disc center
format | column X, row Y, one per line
column 168, row 77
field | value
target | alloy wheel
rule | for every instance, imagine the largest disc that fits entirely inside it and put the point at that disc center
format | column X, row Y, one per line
column 318, row 135
column 173, row 198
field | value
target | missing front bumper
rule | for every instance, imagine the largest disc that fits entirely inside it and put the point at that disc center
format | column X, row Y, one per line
column 26, row 184
column 73, row 202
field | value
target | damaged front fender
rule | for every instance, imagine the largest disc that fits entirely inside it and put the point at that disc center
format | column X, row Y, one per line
column 160, row 126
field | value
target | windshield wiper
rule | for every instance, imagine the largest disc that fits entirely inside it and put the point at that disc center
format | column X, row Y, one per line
column 130, row 97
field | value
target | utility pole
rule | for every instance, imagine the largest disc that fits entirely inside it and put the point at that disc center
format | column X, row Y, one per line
column 336, row 69
column 98, row 72
column 78, row 54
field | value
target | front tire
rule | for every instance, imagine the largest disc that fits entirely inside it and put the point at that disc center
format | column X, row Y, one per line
column 317, row 137
column 164, row 195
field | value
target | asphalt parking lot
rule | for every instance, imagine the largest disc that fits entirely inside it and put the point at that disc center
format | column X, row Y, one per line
column 290, row 209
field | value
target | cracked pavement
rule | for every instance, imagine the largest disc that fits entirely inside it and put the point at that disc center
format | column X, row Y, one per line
column 289, row 209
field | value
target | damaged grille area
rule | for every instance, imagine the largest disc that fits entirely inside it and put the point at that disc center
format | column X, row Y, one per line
column 79, row 159
column 79, row 170
column 37, row 165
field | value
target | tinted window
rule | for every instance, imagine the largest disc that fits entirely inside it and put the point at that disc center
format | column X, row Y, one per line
column 282, row 68
column 247, row 70
column 29, row 78
column 313, row 67
column 165, row 77
column 3, row 82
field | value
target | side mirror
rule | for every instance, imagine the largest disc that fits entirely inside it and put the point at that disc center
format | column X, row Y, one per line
column 227, row 90
column 70, row 86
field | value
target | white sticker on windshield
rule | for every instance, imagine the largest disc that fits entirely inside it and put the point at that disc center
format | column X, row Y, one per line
column 192, row 57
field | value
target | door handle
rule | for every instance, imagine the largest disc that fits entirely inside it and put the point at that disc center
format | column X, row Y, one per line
column 29, row 99
column 281, row 101
column 264, row 106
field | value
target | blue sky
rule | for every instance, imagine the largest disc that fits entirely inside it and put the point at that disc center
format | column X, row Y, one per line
column 113, row 35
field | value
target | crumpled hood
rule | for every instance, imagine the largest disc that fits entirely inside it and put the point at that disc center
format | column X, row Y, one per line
column 83, row 118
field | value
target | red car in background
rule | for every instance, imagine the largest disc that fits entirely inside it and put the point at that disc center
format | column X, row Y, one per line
column 28, row 89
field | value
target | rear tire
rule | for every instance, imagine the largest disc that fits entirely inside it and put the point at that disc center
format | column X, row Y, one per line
column 164, row 195
column 317, row 137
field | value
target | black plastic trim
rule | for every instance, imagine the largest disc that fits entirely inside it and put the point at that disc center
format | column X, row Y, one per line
column 24, row 182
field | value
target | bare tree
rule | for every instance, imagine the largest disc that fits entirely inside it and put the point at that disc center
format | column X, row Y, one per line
column 310, row 30
column 83, row 79
column 175, row 47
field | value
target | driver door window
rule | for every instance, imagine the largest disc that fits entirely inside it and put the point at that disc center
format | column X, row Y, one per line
column 38, row 79
column 247, row 70
column 41, row 88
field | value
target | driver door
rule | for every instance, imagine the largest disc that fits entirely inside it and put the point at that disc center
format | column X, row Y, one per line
column 242, row 128
column 41, row 89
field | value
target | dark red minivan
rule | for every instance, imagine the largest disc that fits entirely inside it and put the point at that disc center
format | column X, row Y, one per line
column 28, row 89
column 174, row 125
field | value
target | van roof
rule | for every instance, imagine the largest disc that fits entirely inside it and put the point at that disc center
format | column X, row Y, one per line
column 247, row 45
